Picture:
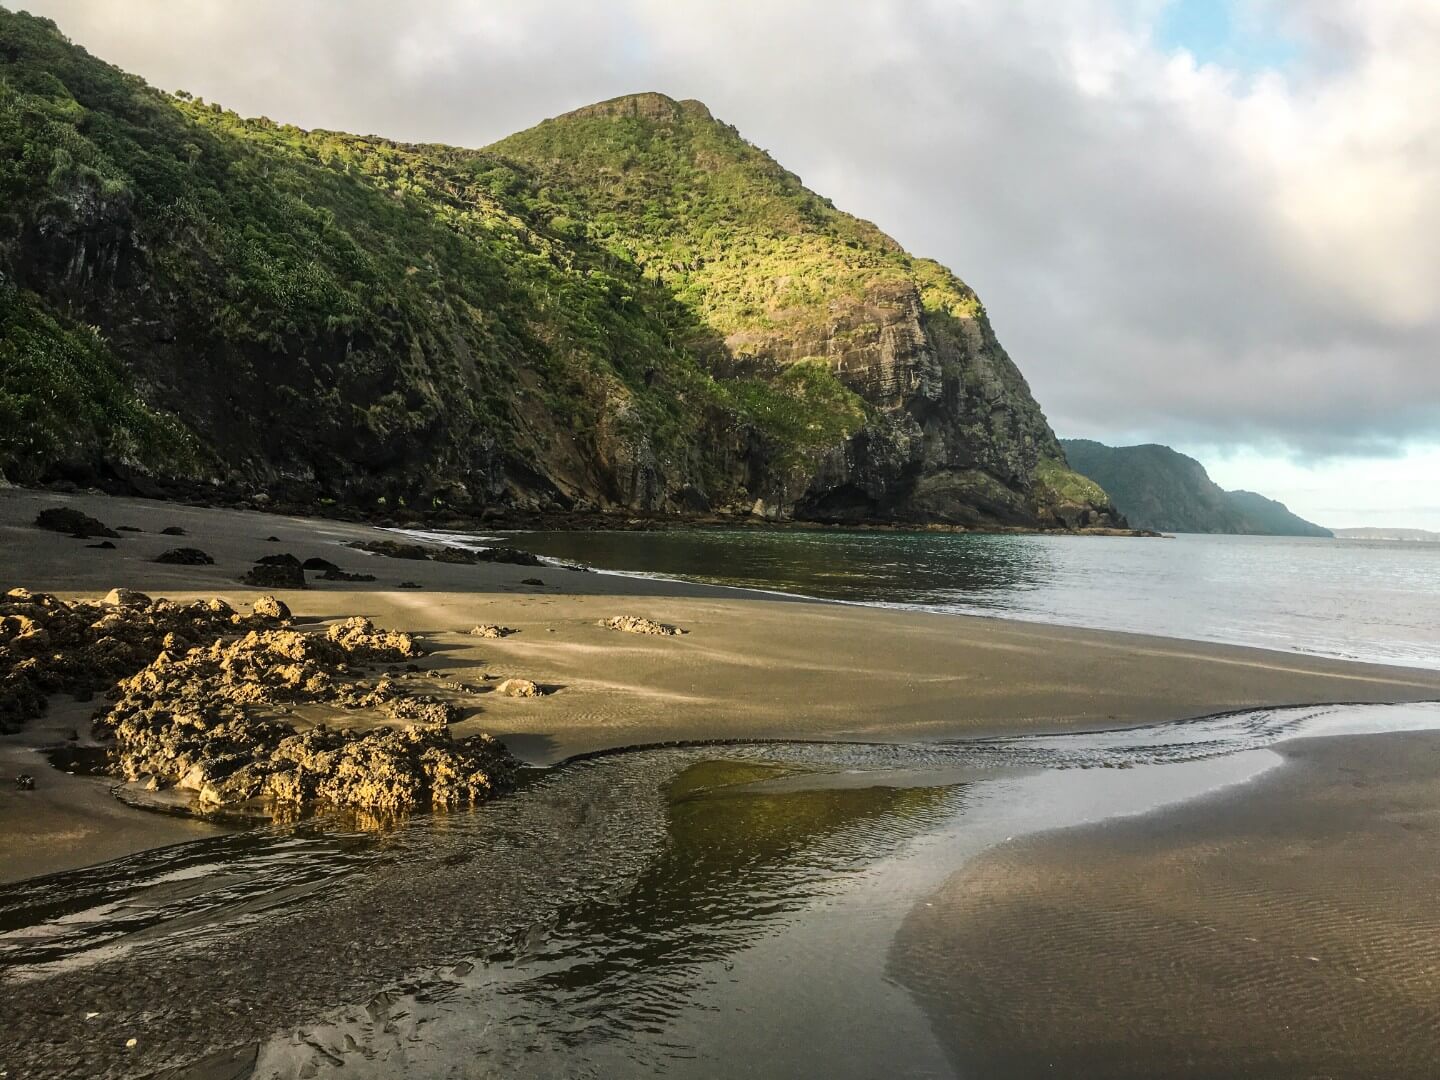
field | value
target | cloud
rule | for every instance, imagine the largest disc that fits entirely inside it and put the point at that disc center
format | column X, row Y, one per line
column 1170, row 248
column 1337, row 492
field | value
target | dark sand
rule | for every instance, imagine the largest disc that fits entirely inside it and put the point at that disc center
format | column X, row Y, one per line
column 1285, row 928
column 753, row 666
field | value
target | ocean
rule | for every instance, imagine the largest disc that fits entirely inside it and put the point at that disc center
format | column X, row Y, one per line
column 1370, row 600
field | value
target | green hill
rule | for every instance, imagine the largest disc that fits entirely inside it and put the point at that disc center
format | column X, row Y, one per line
column 1156, row 487
column 628, row 308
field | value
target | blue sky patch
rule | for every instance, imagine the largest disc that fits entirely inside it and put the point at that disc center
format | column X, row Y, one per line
column 1231, row 33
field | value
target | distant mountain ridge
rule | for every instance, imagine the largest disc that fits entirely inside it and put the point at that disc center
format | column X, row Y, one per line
column 1416, row 536
column 1156, row 487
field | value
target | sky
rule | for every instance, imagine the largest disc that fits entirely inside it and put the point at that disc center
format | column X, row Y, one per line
column 1207, row 223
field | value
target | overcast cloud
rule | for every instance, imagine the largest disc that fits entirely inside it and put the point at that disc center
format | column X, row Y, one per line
column 1228, row 247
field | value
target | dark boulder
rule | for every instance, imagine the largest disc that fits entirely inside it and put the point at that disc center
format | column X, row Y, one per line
column 65, row 519
column 340, row 575
column 185, row 556
column 275, row 576
column 513, row 556
column 393, row 549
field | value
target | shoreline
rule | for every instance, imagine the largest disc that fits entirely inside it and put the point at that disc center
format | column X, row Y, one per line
column 863, row 673
column 544, row 520
column 440, row 537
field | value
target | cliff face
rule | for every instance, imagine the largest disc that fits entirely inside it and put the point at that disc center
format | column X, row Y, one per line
column 805, row 301
column 1159, row 488
column 626, row 308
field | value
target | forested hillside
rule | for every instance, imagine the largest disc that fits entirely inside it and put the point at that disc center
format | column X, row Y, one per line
column 628, row 308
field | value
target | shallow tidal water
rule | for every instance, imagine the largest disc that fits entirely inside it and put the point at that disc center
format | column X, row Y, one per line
column 1368, row 600
column 685, row 911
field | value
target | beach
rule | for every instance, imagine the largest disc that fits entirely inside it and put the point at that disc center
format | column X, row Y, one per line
column 969, row 843
column 752, row 666
column 1282, row 928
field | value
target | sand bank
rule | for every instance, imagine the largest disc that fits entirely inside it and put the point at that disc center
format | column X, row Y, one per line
column 1288, row 927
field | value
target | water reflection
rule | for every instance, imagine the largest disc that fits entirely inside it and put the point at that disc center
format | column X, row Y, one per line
column 693, row 911
column 896, row 567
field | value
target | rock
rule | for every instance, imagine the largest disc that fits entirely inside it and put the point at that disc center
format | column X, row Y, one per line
column 66, row 519
column 424, row 709
column 52, row 646
column 268, row 607
column 523, row 688
column 462, row 556
column 185, row 556
column 531, row 581
column 172, row 530
column 511, row 555
column 491, row 630
column 322, row 565
column 275, row 576
column 272, row 539
column 341, row 575
column 25, row 782
column 191, row 721
column 128, row 528
column 636, row 624
column 363, row 639
column 409, row 585
column 104, row 545
column 126, row 598
column 279, row 560
column 394, row 549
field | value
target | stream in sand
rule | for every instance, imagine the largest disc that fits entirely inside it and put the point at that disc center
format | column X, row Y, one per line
column 704, row 911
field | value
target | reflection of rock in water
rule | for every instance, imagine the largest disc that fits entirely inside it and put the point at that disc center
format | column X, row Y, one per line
column 594, row 906
column 1290, row 930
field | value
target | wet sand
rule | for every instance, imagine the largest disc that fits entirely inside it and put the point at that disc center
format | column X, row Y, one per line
column 752, row 666
column 1285, row 928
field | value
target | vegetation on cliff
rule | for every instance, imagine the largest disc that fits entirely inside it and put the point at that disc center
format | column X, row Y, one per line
column 626, row 307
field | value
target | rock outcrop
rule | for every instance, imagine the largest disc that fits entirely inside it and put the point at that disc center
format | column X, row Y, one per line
column 190, row 719
column 51, row 646
column 638, row 624
column 64, row 519
column 205, row 701
column 491, row 630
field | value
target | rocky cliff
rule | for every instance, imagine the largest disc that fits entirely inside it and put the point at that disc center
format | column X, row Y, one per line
column 628, row 308
column 1159, row 488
